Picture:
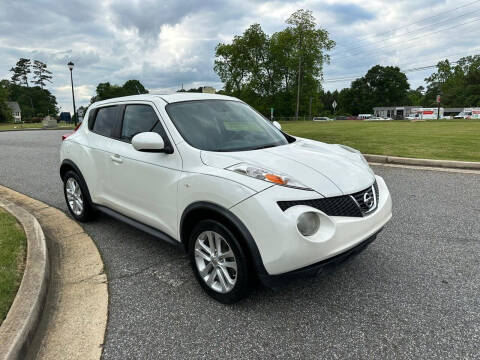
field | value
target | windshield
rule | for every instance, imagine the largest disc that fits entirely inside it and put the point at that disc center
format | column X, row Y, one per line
column 223, row 125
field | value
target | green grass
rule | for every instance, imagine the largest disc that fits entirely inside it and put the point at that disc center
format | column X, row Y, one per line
column 10, row 126
column 435, row 139
column 12, row 257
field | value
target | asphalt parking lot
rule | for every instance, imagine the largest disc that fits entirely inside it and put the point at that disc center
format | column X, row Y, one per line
column 414, row 293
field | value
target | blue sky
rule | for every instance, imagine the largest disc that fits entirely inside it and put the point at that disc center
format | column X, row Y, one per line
column 167, row 43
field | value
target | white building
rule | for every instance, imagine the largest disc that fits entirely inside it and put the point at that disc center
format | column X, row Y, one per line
column 16, row 112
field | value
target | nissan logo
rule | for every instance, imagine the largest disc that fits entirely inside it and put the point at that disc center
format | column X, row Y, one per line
column 368, row 200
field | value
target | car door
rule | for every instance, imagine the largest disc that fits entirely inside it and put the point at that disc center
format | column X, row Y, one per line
column 144, row 184
column 103, row 124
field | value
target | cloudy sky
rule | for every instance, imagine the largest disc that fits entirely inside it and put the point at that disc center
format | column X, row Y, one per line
column 165, row 43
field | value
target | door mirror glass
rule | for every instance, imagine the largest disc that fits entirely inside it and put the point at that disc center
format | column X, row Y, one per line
column 277, row 125
column 148, row 142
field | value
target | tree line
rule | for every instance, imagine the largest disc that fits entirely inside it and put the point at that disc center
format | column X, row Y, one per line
column 34, row 101
column 284, row 71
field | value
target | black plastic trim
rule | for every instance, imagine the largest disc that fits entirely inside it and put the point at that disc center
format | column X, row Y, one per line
column 138, row 225
column 252, row 246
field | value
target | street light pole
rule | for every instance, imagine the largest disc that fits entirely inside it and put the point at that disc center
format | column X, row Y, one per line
column 70, row 66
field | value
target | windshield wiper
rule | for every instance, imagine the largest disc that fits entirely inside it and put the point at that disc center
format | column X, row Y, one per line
column 264, row 146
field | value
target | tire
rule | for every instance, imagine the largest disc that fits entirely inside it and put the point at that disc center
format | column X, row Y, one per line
column 79, row 196
column 221, row 263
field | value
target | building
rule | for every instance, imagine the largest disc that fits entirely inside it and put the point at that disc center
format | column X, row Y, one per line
column 208, row 90
column 395, row 112
column 16, row 111
column 401, row 112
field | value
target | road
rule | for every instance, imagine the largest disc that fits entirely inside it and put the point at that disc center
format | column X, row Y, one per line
column 414, row 293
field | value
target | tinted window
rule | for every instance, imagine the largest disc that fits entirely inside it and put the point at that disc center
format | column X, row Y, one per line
column 105, row 121
column 137, row 119
column 219, row 125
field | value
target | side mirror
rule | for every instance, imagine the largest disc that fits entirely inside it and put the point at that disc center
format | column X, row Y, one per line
column 277, row 125
column 148, row 142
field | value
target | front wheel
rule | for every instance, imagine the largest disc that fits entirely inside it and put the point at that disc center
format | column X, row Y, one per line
column 219, row 262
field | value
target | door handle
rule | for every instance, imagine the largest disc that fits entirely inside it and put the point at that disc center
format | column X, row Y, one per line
column 116, row 158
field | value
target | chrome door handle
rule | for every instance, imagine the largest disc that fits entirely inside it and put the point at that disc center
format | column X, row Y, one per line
column 116, row 158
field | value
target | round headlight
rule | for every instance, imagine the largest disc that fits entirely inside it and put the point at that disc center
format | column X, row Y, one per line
column 308, row 223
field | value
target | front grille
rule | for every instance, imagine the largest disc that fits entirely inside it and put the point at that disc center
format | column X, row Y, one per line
column 353, row 205
column 367, row 199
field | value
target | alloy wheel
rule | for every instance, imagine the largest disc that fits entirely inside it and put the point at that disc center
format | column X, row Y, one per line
column 215, row 261
column 74, row 196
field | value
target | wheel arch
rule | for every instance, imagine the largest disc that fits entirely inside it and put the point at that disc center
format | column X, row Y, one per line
column 69, row 165
column 202, row 210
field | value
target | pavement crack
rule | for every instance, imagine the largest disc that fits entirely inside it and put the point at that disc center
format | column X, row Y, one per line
column 138, row 272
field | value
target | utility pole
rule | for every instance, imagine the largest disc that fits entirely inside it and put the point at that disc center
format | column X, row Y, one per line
column 438, row 106
column 298, row 86
column 310, row 109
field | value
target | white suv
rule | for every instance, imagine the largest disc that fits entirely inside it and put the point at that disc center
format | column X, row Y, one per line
column 209, row 173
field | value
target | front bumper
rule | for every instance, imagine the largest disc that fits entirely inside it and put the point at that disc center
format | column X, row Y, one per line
column 312, row 270
column 283, row 249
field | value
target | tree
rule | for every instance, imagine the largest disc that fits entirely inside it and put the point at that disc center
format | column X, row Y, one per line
column 132, row 87
column 41, row 74
column 381, row 86
column 310, row 44
column 21, row 71
column 264, row 71
column 5, row 112
column 45, row 102
column 107, row 91
column 459, row 85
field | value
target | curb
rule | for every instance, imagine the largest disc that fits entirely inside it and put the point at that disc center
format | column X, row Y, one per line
column 448, row 164
column 36, row 129
column 18, row 329
column 73, row 319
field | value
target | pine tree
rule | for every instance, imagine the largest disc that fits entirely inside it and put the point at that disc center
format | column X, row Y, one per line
column 41, row 74
column 21, row 71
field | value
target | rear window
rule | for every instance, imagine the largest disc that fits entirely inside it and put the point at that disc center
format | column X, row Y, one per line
column 105, row 121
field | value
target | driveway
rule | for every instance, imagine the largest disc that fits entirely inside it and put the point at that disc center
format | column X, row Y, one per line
column 413, row 293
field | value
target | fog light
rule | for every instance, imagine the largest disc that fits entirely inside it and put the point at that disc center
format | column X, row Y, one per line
column 308, row 223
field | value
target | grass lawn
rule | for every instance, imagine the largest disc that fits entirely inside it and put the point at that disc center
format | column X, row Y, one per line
column 12, row 258
column 11, row 126
column 435, row 139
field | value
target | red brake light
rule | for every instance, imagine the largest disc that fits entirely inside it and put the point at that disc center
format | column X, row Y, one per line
column 64, row 136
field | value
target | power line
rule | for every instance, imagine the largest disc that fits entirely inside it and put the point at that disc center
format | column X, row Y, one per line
column 418, row 21
column 354, row 77
column 410, row 32
column 418, row 37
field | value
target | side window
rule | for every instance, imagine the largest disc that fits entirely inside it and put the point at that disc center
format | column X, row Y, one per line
column 137, row 119
column 105, row 121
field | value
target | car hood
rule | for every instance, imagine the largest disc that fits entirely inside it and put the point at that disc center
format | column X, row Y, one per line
column 328, row 169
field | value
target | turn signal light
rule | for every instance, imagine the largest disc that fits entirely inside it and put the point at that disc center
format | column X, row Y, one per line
column 276, row 179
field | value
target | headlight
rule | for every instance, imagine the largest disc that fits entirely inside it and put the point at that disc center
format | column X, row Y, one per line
column 267, row 175
column 308, row 223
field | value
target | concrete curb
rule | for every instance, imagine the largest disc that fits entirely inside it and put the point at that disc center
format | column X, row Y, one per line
column 448, row 164
column 74, row 317
column 18, row 329
column 36, row 129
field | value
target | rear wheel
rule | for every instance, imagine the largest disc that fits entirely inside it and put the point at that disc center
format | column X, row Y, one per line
column 76, row 196
column 219, row 262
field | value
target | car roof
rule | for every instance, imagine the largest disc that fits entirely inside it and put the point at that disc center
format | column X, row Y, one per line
column 168, row 98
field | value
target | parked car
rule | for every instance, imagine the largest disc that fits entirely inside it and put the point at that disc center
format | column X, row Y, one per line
column 208, row 173
column 322, row 118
